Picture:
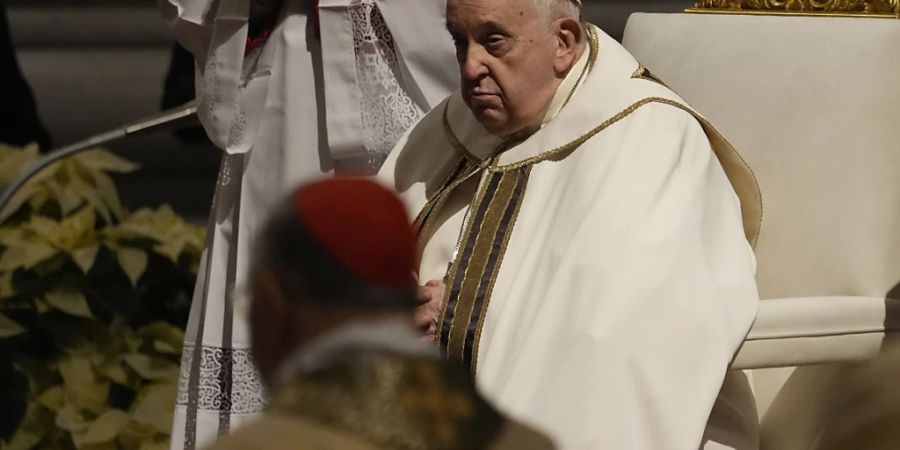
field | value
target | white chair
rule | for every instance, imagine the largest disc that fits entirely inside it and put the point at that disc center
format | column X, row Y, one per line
column 813, row 104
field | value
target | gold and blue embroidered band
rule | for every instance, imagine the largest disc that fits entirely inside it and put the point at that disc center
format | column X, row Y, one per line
column 472, row 275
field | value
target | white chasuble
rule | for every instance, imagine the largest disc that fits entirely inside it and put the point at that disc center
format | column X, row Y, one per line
column 320, row 96
column 600, row 274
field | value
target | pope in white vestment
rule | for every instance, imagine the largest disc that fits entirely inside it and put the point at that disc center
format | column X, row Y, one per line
column 327, row 88
column 599, row 271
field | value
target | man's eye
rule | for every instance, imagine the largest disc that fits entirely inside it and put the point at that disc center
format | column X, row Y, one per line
column 495, row 41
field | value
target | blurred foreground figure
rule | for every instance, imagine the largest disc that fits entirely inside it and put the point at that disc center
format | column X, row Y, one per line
column 332, row 296
column 290, row 90
column 860, row 412
column 584, row 236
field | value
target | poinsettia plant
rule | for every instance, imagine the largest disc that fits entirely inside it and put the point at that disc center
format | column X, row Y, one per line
column 93, row 301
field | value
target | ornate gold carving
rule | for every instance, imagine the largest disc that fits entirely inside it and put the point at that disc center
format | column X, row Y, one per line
column 865, row 8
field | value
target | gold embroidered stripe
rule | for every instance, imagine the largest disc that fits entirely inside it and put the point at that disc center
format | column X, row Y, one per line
column 472, row 274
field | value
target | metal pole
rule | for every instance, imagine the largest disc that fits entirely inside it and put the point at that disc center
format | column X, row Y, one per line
column 172, row 119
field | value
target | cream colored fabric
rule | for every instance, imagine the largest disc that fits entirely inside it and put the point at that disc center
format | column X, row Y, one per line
column 812, row 330
column 627, row 283
column 279, row 115
column 812, row 104
column 818, row 124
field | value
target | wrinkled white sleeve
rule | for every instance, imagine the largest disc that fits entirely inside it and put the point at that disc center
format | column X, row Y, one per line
column 230, row 97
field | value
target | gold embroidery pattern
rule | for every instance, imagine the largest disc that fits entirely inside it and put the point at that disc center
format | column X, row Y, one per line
column 865, row 8
column 593, row 49
column 448, row 311
column 493, row 277
column 394, row 402
column 594, row 38
column 474, row 271
column 645, row 74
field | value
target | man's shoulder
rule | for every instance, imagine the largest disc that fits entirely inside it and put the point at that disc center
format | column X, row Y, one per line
column 281, row 432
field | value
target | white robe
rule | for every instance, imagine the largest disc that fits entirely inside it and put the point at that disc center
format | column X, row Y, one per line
column 600, row 277
column 296, row 109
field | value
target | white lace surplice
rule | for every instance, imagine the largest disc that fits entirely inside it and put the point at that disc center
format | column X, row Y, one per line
column 375, row 70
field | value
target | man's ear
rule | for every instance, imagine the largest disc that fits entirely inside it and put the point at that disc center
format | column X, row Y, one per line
column 569, row 37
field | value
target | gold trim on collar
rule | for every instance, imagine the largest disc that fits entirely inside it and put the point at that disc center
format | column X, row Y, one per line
column 593, row 51
column 751, row 228
column 594, row 40
column 563, row 150
column 644, row 74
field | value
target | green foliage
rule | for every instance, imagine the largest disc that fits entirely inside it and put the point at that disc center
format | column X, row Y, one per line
column 93, row 300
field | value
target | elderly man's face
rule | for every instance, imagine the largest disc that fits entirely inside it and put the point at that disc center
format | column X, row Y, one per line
column 506, row 56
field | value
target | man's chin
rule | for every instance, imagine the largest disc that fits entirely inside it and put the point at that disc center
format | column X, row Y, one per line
column 492, row 121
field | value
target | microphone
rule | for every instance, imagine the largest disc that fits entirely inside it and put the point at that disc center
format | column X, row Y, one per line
column 172, row 119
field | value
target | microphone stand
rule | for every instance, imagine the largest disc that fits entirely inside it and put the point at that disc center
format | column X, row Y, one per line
column 171, row 119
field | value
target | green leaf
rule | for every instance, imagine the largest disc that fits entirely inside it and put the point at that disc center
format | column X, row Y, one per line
column 84, row 257
column 25, row 254
column 166, row 337
column 76, row 371
column 133, row 262
column 15, row 160
column 155, row 445
column 77, row 229
column 150, row 368
column 115, row 372
column 69, row 301
column 67, row 199
column 135, row 435
column 41, row 305
column 70, row 419
column 90, row 195
column 9, row 328
column 52, row 398
column 164, row 347
column 20, row 198
column 6, row 286
column 108, row 193
column 103, row 160
column 155, row 406
column 104, row 429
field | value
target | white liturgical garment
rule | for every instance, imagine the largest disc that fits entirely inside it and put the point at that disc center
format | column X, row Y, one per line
column 325, row 94
column 600, row 274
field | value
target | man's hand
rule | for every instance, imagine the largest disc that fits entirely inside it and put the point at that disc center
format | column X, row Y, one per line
column 428, row 312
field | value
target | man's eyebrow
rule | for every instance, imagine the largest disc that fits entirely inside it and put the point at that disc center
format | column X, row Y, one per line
column 492, row 26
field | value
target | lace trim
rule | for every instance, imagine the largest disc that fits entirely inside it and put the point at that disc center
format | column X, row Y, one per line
column 387, row 109
column 243, row 393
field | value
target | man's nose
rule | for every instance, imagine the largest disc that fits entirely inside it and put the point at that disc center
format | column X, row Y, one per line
column 472, row 65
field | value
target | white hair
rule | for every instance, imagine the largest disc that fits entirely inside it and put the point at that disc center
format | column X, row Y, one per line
column 551, row 10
